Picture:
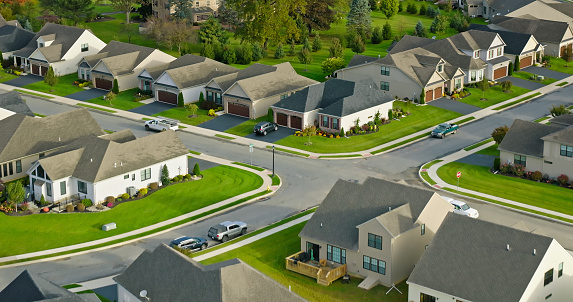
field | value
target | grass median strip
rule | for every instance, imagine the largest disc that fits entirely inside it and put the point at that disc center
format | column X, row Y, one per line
column 224, row 136
column 467, row 119
column 401, row 143
column 248, row 166
column 39, row 115
column 479, row 144
column 518, row 101
column 276, row 180
column 427, row 178
column 96, row 108
column 541, row 119
column 34, row 94
column 562, row 84
column 194, row 152
column 289, row 151
column 428, row 165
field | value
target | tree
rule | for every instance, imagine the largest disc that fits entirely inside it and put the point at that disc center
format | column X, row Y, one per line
column 305, row 57
column 358, row 19
column 244, row 54
column 279, row 51
column 115, row 88
column 16, row 192
column 448, row 6
column 165, row 180
column 567, row 56
column 196, row 170
column 258, row 52
column 431, row 12
column 510, row 69
column 423, row 9
column 483, row 85
column 181, row 8
column 306, row 44
column 75, row 10
column 358, row 46
column 270, row 115
column 412, row 8
column 419, row 30
column 506, row 85
column 129, row 30
column 459, row 22
column 178, row 33
column 373, row 4
column 401, row 26
column 387, row 31
column 331, row 65
column 423, row 97
column 440, row 24
column 229, row 56
column 211, row 31
column 389, row 8
column 292, row 49
column 227, row 15
column 377, row 36
column 110, row 96
column 516, row 64
column 336, row 50
column 50, row 78
column 125, row 6
column 559, row 110
column 180, row 100
column 316, row 43
column 192, row 108
column 499, row 133
column 309, row 130
column 208, row 51
column 319, row 14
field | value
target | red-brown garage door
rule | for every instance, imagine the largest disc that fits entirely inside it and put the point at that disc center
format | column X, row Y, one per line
column 527, row 61
column 103, row 84
column 238, row 109
column 282, row 119
column 499, row 73
column 437, row 93
column 167, row 97
column 429, row 96
column 562, row 51
column 44, row 70
column 35, row 69
column 296, row 122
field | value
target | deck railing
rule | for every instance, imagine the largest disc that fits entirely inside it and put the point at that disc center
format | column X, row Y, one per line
column 323, row 275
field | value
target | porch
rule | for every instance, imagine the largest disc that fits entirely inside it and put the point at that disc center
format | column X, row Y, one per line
column 324, row 273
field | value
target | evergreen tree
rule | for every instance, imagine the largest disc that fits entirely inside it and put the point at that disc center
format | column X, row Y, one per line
column 165, row 180
column 400, row 7
column 258, row 52
column 510, row 69
column 306, row 44
column 389, row 8
column 50, row 78
column 227, row 15
column 377, row 35
column 387, row 31
column 244, row 54
column 358, row 46
column 423, row 97
column 440, row 24
column 211, row 31
column 196, row 170
column 516, row 64
column 115, row 88
column 430, row 12
column 180, row 101
column 304, row 56
column 423, row 9
column 358, row 19
column 207, row 51
column 373, row 4
column 317, row 43
column 336, row 50
column 292, row 49
column 229, row 56
column 279, row 51
column 420, row 31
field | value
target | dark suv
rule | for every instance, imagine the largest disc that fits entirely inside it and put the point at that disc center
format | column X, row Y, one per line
column 264, row 127
column 190, row 243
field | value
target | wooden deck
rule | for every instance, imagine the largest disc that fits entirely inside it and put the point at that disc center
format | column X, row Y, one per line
column 324, row 275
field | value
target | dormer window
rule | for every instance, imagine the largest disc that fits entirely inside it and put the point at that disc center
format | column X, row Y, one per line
column 476, row 54
column 499, row 51
column 40, row 44
column 440, row 68
column 490, row 54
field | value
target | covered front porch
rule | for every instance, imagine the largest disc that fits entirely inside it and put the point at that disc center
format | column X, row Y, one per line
column 324, row 273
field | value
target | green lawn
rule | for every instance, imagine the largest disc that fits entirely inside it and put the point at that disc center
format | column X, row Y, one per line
column 47, row 231
column 537, row 194
column 100, row 9
column 421, row 118
column 491, row 150
column 528, row 76
column 558, row 64
column 4, row 76
column 64, row 87
column 246, row 127
column 493, row 95
column 125, row 100
column 182, row 115
column 268, row 256
column 478, row 144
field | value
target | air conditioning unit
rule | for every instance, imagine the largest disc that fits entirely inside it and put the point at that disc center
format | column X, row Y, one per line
column 132, row 191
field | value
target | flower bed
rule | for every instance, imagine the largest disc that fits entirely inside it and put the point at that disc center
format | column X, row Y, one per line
column 518, row 171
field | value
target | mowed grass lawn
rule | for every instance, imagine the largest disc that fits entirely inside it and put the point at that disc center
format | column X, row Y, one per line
column 65, row 86
column 4, row 76
column 421, row 117
column 478, row 178
column 246, row 127
column 32, row 233
column 491, row 150
column 493, row 96
column 528, row 76
column 183, row 114
column 558, row 64
column 268, row 256
column 125, row 100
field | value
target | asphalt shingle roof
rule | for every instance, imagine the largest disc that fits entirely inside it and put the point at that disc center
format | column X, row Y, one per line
column 119, row 57
column 504, row 6
column 348, row 205
column 226, row 81
column 65, row 36
column 515, row 42
column 196, row 70
column 467, row 258
column 13, row 102
column 360, row 59
column 417, row 63
column 542, row 30
column 562, row 120
column 13, row 38
column 563, row 136
column 524, row 138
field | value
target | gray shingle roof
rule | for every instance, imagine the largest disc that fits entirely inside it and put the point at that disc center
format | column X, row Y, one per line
column 542, row 30
column 168, row 275
column 417, row 63
column 473, row 40
column 499, row 60
column 565, row 8
column 22, row 135
column 562, row 120
column 94, row 159
column 64, row 35
column 119, row 57
column 13, row 102
column 563, row 136
column 409, row 42
column 468, row 259
column 196, row 70
column 360, row 59
column 335, row 97
column 13, row 38
column 515, row 42
column 224, row 82
column 524, row 138
column 348, row 205
column 504, row 6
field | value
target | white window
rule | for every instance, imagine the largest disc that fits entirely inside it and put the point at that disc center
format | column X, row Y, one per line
column 490, row 54
column 476, row 54
column 480, row 75
column 440, row 68
column 473, row 76
column 499, row 51
column 145, row 174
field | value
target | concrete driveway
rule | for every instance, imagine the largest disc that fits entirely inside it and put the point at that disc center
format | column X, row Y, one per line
column 223, row 122
column 87, row 94
column 152, row 108
column 523, row 83
column 548, row 73
column 273, row 136
column 455, row 106
column 24, row 80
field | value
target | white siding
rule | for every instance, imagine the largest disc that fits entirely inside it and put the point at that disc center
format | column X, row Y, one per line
column 365, row 115
column 123, row 295
column 415, row 290
column 191, row 94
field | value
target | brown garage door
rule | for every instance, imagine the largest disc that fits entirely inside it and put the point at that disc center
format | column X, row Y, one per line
column 282, row 119
column 499, row 73
column 167, row 97
column 562, row 51
column 35, row 69
column 103, row 84
column 429, row 96
column 437, row 93
column 527, row 61
column 238, row 109
column 44, row 70
column 296, row 122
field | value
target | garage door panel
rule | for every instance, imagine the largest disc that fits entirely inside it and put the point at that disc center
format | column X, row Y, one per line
column 167, row 97
column 238, row 109
column 282, row 119
column 296, row 122
column 527, row 61
column 35, row 69
column 429, row 96
column 44, row 70
column 499, row 73
column 437, row 93
column 103, row 84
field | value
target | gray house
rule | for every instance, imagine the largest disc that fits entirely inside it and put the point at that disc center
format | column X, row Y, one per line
column 377, row 230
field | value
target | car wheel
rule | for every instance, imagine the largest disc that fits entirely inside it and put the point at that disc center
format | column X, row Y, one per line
column 442, row 137
column 265, row 132
column 147, row 127
column 225, row 238
column 276, row 128
column 204, row 246
column 163, row 129
column 244, row 231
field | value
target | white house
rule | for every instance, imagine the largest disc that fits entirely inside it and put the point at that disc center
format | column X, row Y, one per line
column 475, row 260
column 59, row 46
column 97, row 167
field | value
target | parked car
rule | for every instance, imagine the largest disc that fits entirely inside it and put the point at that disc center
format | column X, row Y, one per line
column 190, row 243
column 444, row 129
column 462, row 208
column 162, row 124
column 264, row 127
column 227, row 230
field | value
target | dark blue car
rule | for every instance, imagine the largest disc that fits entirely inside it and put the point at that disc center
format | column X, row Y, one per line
column 190, row 243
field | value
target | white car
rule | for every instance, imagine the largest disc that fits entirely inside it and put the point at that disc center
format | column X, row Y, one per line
column 462, row 208
column 162, row 124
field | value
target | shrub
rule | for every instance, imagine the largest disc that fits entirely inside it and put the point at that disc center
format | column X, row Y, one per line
column 196, row 170
column 165, row 175
column 499, row 133
column 518, row 170
column 558, row 110
column 510, row 69
column 109, row 199
column 81, row 207
column 109, row 204
column 187, row 176
column 376, row 35
column 115, row 88
column 125, row 196
column 496, row 163
column 505, row 168
column 563, row 180
column 536, row 176
column 211, row 112
column 207, row 105
column 70, row 208
column 139, row 195
column 154, row 186
column 118, row 199
column 87, row 202
column 244, row 54
column 342, row 131
column 180, row 101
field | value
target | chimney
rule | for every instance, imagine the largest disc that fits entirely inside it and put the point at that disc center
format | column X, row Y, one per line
column 534, row 252
column 507, row 247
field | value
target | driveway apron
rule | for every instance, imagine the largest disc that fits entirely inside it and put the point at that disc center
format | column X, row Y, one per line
column 455, row 106
column 24, row 80
column 548, row 73
column 524, row 83
column 152, row 108
column 223, row 122
column 87, row 94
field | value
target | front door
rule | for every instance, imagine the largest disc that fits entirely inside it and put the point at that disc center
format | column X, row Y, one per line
column 313, row 251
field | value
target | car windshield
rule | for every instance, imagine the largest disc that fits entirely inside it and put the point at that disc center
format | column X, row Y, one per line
column 441, row 127
column 465, row 207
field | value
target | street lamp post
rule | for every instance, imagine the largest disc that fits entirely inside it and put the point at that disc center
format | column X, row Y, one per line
column 273, row 161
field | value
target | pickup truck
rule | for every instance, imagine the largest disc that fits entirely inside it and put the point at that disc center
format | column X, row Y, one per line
column 227, row 230
column 162, row 124
column 444, row 129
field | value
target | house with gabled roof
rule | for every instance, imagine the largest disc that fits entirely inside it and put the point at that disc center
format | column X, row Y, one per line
column 377, row 230
column 25, row 139
column 252, row 91
column 12, row 37
column 59, row 46
column 167, row 275
column 544, row 9
column 13, row 102
column 475, row 260
column 187, row 75
column 332, row 105
column 107, row 165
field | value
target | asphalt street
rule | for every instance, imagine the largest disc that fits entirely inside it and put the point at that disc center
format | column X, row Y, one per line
column 305, row 183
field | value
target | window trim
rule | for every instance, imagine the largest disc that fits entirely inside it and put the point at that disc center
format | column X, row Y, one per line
column 560, row 270
column 423, row 229
column 84, row 185
column 145, row 174
column 566, row 150
column 384, row 86
column 548, row 278
column 520, row 160
column 330, row 254
column 373, row 242
column 63, row 188
column 385, row 70
column 49, row 192
column 19, row 166
column 374, row 265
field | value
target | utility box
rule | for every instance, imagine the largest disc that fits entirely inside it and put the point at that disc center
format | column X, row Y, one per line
column 540, row 78
column 109, row 226
column 132, row 191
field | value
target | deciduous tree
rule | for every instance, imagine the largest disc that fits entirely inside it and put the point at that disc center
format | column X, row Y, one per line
column 499, row 133
column 316, row 43
column 50, row 78
column 319, row 14
column 304, row 56
column 125, row 6
column 331, row 65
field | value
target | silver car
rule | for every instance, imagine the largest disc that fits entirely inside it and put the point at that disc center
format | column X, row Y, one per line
column 227, row 230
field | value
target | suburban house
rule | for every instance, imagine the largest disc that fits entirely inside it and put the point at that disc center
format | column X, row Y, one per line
column 540, row 147
column 407, row 73
column 332, row 105
column 525, row 46
column 541, row 9
column 31, row 287
column 59, row 46
column 11, row 22
column 122, row 62
column 252, row 91
column 167, row 275
column 556, row 36
column 475, row 260
column 199, row 10
column 25, row 139
column 107, row 165
column 187, row 75
column 377, row 230
column 12, row 38
column 11, row 101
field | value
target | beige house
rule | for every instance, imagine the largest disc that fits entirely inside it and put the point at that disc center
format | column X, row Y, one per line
column 540, row 9
column 26, row 139
column 122, row 62
column 252, row 91
column 540, row 147
column 199, row 10
column 479, row 261
column 377, row 230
